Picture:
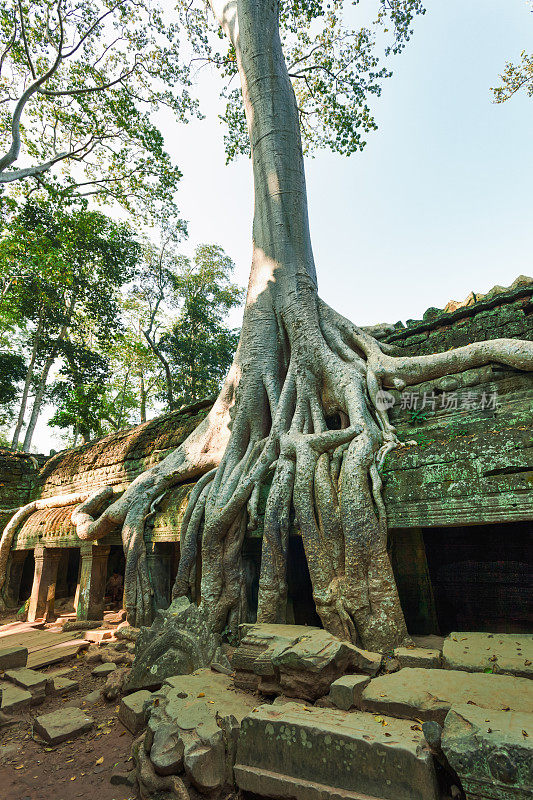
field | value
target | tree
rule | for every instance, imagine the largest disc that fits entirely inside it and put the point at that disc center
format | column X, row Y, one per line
column 78, row 82
column 196, row 349
column 298, row 412
column 12, row 370
column 63, row 269
column 514, row 78
column 199, row 346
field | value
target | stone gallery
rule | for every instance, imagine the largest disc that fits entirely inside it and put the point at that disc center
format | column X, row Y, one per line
column 289, row 708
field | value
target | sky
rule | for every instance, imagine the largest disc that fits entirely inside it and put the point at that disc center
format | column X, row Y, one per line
column 438, row 204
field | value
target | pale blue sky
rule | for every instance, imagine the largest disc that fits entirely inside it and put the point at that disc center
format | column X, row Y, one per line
column 438, row 204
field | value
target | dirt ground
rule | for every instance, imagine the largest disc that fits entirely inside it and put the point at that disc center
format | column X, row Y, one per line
column 78, row 768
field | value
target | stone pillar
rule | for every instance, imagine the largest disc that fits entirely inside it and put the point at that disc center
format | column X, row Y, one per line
column 90, row 594
column 158, row 561
column 44, row 583
column 409, row 563
column 14, row 574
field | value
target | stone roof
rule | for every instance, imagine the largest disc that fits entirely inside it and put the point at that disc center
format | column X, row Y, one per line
column 118, row 458
column 454, row 310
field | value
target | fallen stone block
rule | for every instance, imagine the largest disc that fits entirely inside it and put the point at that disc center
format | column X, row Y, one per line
column 491, row 751
column 128, row 633
column 37, row 683
column 81, row 625
column 13, row 698
column 93, row 697
column 131, row 711
column 13, row 657
column 346, row 692
column 418, row 657
column 116, row 680
column 193, row 725
column 426, row 694
column 121, row 778
column 62, row 725
column 62, row 685
column 103, row 670
column 295, row 660
column 98, row 635
column 292, row 751
column 502, row 653
column 177, row 643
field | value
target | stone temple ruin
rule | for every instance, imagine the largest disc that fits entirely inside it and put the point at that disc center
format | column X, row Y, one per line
column 447, row 718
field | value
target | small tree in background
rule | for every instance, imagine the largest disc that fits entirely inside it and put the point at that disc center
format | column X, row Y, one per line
column 199, row 345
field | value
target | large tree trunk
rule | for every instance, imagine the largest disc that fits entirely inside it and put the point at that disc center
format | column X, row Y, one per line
column 27, row 382
column 298, row 411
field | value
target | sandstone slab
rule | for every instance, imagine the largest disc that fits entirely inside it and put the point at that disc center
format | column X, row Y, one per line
column 346, row 692
column 13, row 698
column 62, row 725
column 62, row 685
column 103, row 670
column 131, row 711
column 37, row 683
column 429, row 694
column 295, row 660
column 502, row 653
column 418, row 657
column 13, row 657
column 491, row 751
column 293, row 751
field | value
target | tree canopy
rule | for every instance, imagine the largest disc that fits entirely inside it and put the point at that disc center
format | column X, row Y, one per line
column 79, row 82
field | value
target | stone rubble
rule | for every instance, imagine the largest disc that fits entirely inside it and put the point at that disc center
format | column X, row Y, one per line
column 62, row 725
column 299, row 752
column 13, row 657
column 131, row 711
column 296, row 661
column 37, row 683
column 418, row 657
column 491, row 751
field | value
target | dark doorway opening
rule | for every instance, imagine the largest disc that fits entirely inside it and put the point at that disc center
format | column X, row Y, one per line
column 481, row 577
column 116, row 567
column 26, row 578
column 300, row 589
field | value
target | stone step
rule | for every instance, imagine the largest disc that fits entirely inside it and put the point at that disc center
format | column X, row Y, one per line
column 428, row 694
column 62, row 725
column 491, row 751
column 131, row 711
column 295, row 751
column 503, row 653
column 418, row 657
column 14, row 698
column 35, row 682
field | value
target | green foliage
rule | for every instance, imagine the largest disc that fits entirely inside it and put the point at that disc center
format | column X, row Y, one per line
column 335, row 67
column 60, row 274
column 514, row 78
column 83, row 78
column 199, row 346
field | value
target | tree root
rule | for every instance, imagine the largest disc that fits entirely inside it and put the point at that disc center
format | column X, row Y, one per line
column 272, row 424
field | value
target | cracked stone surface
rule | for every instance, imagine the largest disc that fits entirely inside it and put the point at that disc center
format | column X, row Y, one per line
column 62, row 725
column 193, row 725
column 429, row 694
column 294, row 751
column 503, row 653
